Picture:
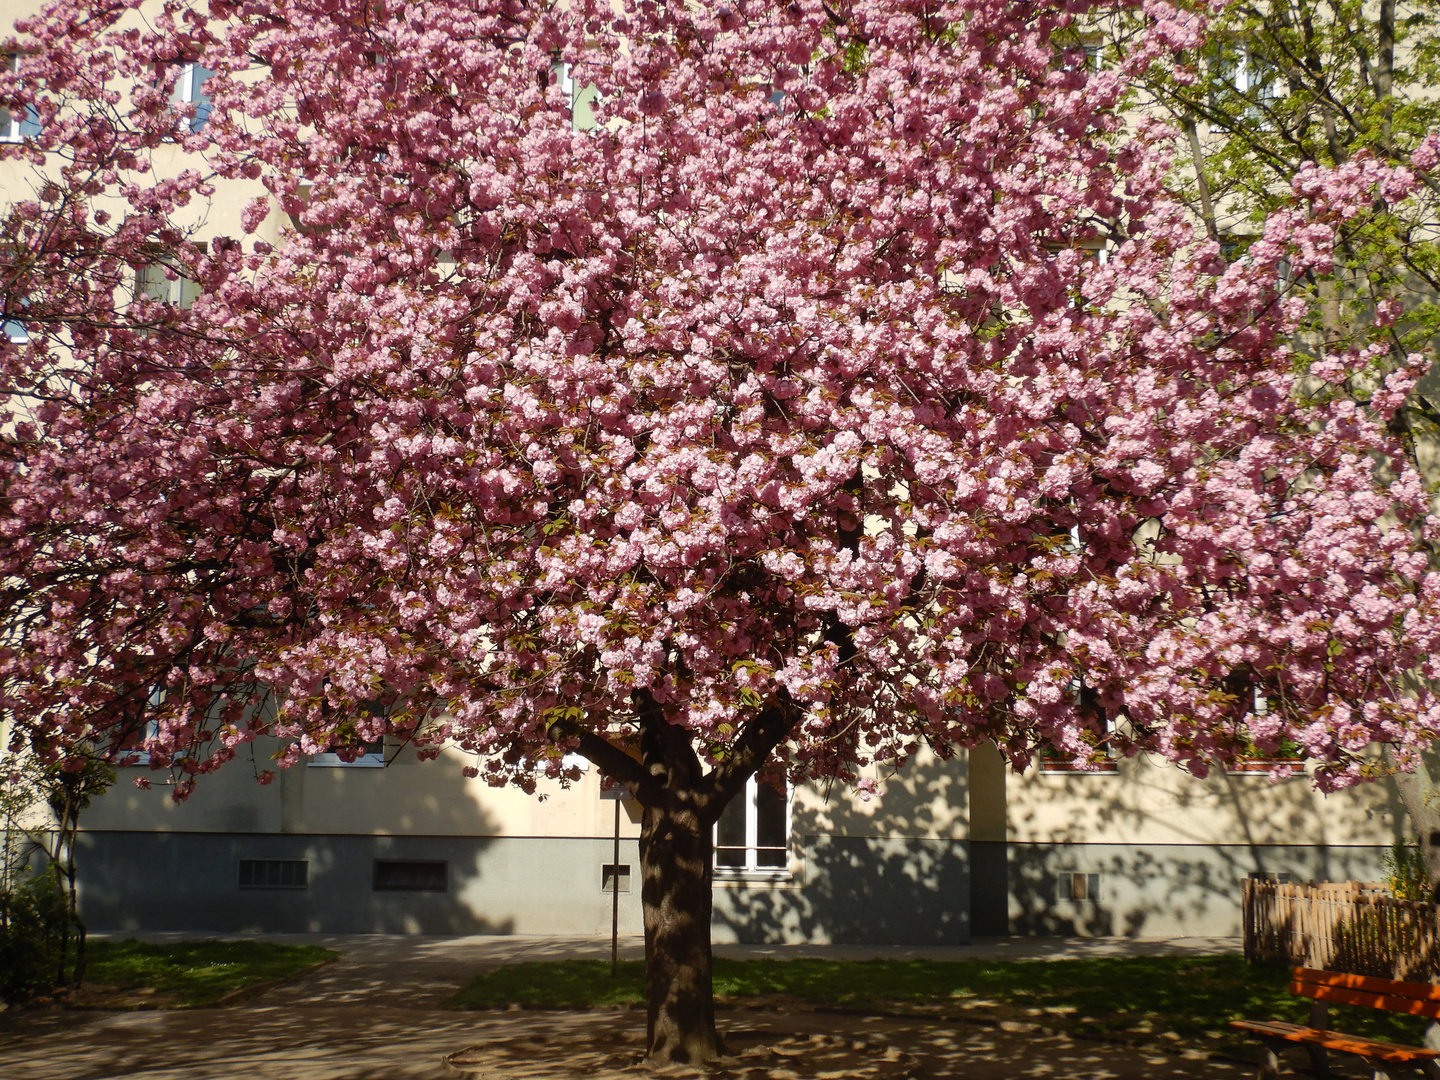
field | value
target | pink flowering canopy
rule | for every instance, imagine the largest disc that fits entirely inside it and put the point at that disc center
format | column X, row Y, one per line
column 791, row 386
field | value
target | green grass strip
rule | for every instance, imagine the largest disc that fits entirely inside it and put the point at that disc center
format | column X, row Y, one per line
column 196, row 972
column 1141, row 998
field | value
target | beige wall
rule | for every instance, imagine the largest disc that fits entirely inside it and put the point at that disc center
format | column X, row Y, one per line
column 1151, row 802
column 407, row 796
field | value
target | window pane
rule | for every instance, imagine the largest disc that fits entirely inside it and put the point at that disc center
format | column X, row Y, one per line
column 730, row 831
column 769, row 816
column 198, row 75
column 730, row 834
column 770, row 821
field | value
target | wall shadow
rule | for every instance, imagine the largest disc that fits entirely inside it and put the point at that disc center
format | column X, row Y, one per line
column 894, row 870
column 1167, row 852
column 181, row 878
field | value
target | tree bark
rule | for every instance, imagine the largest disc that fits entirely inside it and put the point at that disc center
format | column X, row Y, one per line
column 675, row 867
column 1417, row 795
column 681, row 804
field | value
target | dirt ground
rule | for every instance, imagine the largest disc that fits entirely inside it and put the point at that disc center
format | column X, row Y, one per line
column 378, row 1014
column 296, row 1042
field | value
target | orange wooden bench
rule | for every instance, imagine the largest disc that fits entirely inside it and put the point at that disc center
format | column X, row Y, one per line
column 1387, row 1059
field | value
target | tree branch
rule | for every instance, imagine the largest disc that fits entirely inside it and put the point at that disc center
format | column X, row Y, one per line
column 608, row 758
column 761, row 735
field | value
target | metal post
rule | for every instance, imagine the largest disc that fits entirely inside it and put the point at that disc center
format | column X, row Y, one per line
column 615, row 896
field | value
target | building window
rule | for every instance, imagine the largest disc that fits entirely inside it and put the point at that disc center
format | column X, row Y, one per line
column 166, row 285
column 395, row 875
column 190, row 90
column 274, row 874
column 1101, row 758
column 1248, row 76
column 582, row 100
column 16, row 125
column 1078, row 888
column 131, row 749
column 365, row 755
column 753, row 833
column 1052, row 761
column 608, row 877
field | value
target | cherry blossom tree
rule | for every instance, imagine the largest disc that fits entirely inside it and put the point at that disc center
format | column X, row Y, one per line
column 780, row 422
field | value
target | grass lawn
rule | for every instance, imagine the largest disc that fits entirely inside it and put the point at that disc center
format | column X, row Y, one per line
column 194, row 972
column 1185, row 1001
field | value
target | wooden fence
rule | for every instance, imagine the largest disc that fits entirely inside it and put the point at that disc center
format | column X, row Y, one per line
column 1341, row 926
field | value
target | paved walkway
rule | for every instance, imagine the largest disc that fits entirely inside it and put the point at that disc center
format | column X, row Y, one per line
column 373, row 1015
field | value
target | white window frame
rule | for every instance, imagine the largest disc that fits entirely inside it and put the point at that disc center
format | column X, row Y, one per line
column 1107, row 766
column 752, row 868
column 13, row 129
column 154, row 280
column 184, row 93
column 371, row 759
column 585, row 97
column 1090, row 884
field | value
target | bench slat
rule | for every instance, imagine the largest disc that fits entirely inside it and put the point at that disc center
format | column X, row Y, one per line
column 1365, row 983
column 1372, row 1001
column 1335, row 1040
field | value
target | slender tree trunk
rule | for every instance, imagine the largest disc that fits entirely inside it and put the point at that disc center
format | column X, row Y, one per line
column 675, row 867
column 57, row 869
column 73, row 899
column 1202, row 186
column 1417, row 795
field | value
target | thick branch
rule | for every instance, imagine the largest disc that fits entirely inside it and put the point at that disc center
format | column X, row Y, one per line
column 1202, row 186
column 668, row 757
column 608, row 758
column 765, row 732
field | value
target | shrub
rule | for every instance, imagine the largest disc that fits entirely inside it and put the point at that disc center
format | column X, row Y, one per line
column 33, row 922
column 1406, row 875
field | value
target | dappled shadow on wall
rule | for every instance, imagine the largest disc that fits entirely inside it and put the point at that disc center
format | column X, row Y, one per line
column 1184, row 877
column 303, row 882
column 894, row 870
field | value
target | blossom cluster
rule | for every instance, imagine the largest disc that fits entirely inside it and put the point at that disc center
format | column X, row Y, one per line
column 792, row 380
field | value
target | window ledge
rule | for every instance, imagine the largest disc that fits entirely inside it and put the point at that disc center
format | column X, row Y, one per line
column 330, row 761
column 1102, row 768
column 1263, row 766
column 737, row 876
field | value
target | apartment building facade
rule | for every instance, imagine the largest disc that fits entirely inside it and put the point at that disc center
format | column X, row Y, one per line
column 945, row 851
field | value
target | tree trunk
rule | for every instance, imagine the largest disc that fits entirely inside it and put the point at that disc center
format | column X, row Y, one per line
column 1417, row 795
column 675, row 867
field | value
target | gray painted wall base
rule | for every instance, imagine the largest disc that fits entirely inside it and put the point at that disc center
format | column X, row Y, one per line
column 846, row 891
column 190, row 881
column 1153, row 890
column 855, row 890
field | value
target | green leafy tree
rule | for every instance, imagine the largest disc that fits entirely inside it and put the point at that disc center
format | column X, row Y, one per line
column 34, row 916
column 45, row 907
column 1281, row 85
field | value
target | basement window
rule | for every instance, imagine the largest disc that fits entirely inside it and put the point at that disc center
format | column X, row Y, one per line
column 274, row 874
column 1078, row 887
column 411, row 875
